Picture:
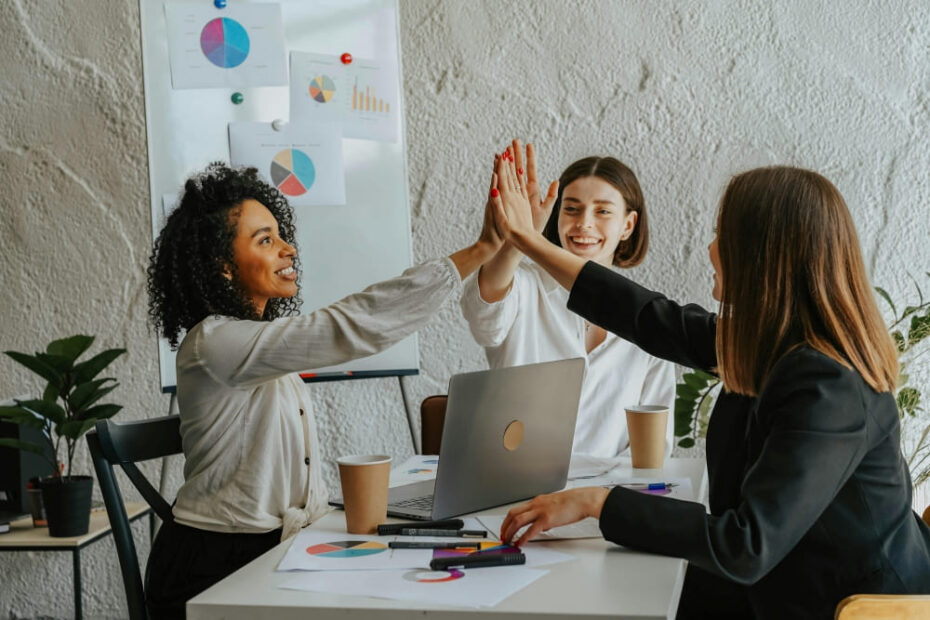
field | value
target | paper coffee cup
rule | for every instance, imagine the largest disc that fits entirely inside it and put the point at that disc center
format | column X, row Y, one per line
column 646, row 425
column 364, row 479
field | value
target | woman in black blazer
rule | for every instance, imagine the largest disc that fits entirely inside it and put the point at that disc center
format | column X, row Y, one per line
column 810, row 498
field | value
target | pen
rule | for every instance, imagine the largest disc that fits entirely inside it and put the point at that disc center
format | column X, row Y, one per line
column 422, row 544
column 652, row 486
column 419, row 531
column 386, row 529
column 476, row 560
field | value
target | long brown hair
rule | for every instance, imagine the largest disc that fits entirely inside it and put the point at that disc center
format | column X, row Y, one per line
column 630, row 251
column 793, row 274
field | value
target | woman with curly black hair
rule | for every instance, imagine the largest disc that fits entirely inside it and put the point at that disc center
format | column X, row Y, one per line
column 223, row 281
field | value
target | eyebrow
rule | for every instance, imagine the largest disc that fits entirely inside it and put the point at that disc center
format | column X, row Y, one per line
column 597, row 202
column 264, row 229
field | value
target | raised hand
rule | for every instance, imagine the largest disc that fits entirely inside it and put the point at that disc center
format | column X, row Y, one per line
column 513, row 214
column 489, row 235
column 541, row 205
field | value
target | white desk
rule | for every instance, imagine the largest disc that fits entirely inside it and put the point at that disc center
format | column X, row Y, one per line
column 603, row 580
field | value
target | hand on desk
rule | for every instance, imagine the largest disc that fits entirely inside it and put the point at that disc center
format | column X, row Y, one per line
column 545, row 512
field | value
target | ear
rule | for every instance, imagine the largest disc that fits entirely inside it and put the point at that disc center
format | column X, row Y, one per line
column 227, row 273
column 629, row 225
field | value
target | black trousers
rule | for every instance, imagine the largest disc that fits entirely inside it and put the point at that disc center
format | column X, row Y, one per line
column 185, row 561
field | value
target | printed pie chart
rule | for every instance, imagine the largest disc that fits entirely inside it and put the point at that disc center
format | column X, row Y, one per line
column 439, row 576
column 292, row 172
column 347, row 549
column 322, row 88
column 224, row 42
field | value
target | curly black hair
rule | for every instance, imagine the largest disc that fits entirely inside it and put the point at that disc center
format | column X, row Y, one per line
column 186, row 281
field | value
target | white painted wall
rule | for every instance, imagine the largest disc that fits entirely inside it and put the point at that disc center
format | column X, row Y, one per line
column 686, row 92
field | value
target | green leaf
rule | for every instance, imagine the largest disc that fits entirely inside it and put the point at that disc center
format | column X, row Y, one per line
column 87, row 394
column 919, row 329
column 908, row 400
column 887, row 298
column 100, row 412
column 686, row 392
column 87, row 370
column 18, row 415
column 687, row 442
column 51, row 393
column 698, row 383
column 60, row 363
column 50, row 411
column 69, row 348
column 899, row 341
column 909, row 310
column 37, row 366
column 28, row 446
column 73, row 429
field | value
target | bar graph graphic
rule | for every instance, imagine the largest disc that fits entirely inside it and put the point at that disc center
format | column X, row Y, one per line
column 365, row 100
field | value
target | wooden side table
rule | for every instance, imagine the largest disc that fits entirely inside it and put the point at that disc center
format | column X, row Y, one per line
column 24, row 537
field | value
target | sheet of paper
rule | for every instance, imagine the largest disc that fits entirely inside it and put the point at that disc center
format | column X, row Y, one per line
column 681, row 487
column 239, row 46
column 418, row 467
column 362, row 95
column 303, row 160
column 317, row 549
column 477, row 587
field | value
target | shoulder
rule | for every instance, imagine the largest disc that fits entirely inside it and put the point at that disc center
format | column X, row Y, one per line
column 807, row 385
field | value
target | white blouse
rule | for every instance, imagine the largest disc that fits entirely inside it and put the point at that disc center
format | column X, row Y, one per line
column 247, row 427
column 533, row 324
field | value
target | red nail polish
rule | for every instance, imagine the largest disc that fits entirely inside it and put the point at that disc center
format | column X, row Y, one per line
column 494, row 192
column 519, row 170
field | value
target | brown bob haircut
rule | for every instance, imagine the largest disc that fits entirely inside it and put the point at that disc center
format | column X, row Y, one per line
column 793, row 274
column 630, row 251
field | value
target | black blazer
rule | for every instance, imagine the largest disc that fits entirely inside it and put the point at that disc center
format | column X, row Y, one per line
column 810, row 497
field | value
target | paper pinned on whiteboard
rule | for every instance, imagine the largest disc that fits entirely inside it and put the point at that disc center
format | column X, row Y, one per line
column 241, row 46
column 303, row 160
column 363, row 95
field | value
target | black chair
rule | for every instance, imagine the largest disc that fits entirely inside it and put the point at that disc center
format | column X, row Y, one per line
column 125, row 444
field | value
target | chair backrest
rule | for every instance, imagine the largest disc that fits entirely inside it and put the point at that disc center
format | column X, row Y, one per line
column 432, row 417
column 126, row 444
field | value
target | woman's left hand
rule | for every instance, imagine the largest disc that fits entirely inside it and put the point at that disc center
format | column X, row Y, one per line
column 545, row 512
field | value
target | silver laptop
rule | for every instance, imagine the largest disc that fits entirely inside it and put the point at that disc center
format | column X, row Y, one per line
column 507, row 436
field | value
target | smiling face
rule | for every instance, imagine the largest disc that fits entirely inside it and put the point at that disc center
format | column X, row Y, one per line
column 264, row 261
column 593, row 219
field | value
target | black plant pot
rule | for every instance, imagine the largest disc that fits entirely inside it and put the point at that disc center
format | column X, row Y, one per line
column 67, row 505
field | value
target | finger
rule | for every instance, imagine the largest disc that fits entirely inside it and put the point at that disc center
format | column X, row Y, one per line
column 530, row 533
column 518, row 159
column 551, row 195
column 518, row 521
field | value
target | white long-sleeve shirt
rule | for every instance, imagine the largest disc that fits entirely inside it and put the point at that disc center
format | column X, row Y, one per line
column 247, row 426
column 533, row 324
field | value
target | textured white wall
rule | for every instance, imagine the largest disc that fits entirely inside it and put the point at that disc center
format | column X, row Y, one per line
column 687, row 93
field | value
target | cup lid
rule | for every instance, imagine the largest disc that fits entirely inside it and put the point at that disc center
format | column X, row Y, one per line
column 647, row 408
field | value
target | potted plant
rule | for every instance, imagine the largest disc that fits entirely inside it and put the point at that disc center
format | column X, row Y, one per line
column 910, row 329
column 69, row 407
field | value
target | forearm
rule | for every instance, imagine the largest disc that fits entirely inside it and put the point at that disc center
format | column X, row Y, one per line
column 496, row 276
column 470, row 258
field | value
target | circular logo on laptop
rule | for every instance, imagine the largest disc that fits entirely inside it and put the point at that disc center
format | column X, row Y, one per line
column 513, row 435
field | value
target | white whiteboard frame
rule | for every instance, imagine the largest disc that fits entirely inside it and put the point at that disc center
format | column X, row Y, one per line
column 343, row 249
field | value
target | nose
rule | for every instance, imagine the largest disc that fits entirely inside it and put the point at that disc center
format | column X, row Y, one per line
column 287, row 249
column 585, row 221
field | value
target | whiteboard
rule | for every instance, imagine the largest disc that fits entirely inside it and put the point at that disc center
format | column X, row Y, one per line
column 342, row 248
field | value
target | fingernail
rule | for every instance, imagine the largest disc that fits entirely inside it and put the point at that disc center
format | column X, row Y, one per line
column 519, row 170
column 494, row 192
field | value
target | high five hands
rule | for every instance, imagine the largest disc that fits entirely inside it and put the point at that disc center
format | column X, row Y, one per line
column 519, row 208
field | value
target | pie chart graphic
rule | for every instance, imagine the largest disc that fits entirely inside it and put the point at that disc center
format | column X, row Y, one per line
column 292, row 172
column 322, row 88
column 347, row 549
column 224, row 42
column 439, row 576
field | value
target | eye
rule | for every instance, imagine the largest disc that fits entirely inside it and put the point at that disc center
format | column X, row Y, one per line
column 265, row 241
column 604, row 211
column 569, row 209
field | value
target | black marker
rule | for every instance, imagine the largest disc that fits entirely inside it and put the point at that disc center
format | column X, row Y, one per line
column 422, row 544
column 386, row 529
column 478, row 560
column 419, row 531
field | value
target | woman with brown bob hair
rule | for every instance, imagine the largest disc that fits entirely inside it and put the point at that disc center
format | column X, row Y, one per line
column 810, row 498
column 518, row 313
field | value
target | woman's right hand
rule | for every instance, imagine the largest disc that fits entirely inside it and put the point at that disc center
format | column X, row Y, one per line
column 513, row 214
column 541, row 205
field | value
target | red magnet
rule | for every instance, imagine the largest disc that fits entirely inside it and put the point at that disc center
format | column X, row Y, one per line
column 346, row 58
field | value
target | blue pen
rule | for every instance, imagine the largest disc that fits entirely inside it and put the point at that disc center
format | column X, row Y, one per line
column 652, row 486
